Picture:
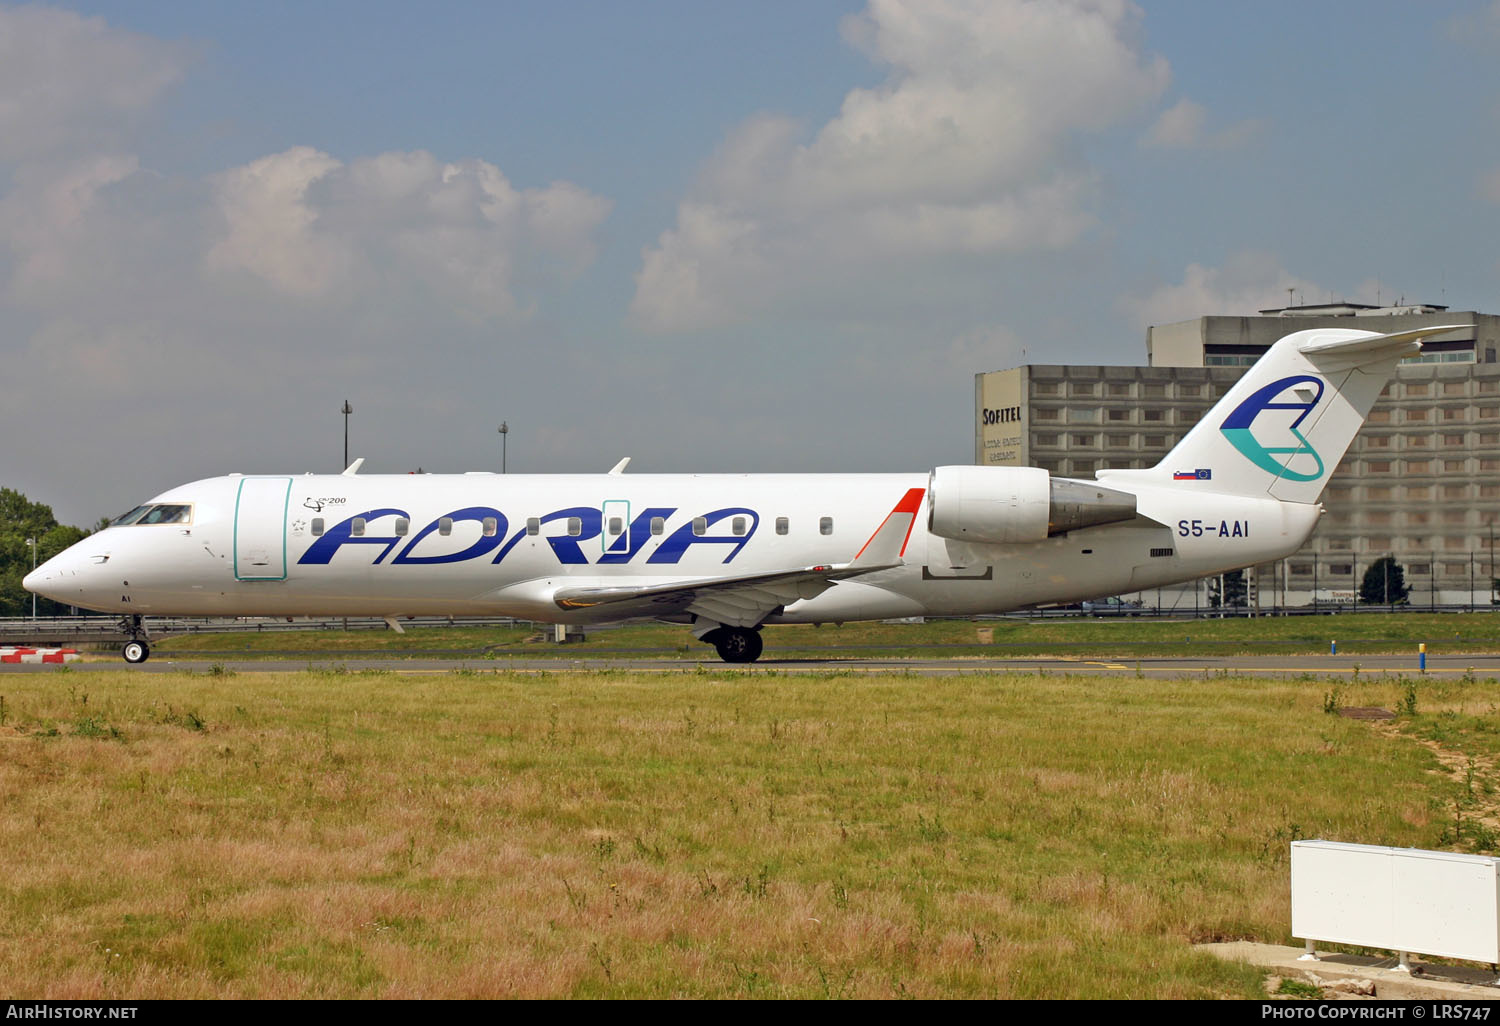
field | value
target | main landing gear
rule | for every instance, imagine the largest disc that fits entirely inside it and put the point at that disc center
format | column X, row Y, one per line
column 736, row 644
column 136, row 650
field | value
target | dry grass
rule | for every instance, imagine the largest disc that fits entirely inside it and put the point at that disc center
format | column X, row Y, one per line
column 485, row 835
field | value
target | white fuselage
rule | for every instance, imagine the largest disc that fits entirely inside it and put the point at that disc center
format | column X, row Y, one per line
column 264, row 545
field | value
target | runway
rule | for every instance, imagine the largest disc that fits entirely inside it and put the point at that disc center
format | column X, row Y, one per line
column 1479, row 665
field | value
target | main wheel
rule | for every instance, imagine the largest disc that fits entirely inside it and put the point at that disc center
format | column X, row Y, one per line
column 738, row 645
column 136, row 651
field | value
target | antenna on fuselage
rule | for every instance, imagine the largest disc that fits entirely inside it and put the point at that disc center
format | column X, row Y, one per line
column 353, row 468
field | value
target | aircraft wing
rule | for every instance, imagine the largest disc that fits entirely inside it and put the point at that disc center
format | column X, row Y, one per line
column 745, row 600
column 741, row 601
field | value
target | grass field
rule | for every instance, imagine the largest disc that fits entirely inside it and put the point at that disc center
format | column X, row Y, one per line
column 485, row 834
column 1361, row 633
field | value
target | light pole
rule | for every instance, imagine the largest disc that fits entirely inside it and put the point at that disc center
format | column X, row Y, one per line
column 32, row 543
column 346, row 411
column 504, row 443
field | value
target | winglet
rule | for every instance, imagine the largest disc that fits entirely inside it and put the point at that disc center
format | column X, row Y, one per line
column 353, row 468
column 619, row 468
column 888, row 544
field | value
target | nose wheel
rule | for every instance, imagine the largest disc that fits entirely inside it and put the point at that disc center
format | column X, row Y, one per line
column 136, row 650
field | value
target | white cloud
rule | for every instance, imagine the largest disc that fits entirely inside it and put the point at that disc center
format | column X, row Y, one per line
column 311, row 226
column 963, row 149
column 67, row 82
column 1183, row 126
column 1247, row 283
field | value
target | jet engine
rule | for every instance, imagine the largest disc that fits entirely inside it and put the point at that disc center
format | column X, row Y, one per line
column 1009, row 505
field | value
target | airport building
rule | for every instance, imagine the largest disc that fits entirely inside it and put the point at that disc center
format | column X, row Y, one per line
column 1421, row 481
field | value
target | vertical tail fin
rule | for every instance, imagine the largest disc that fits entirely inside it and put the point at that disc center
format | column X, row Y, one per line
column 1284, row 426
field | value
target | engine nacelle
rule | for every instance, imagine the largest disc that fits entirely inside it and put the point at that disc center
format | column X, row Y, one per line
column 1011, row 505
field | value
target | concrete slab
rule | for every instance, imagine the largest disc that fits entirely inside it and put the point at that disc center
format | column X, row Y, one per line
column 1425, row 982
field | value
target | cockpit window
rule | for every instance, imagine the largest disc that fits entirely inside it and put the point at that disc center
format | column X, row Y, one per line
column 159, row 513
column 128, row 518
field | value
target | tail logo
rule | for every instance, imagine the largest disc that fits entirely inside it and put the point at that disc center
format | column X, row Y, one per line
column 1284, row 405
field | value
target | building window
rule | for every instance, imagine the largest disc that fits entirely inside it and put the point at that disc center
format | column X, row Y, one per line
column 1156, row 391
column 1078, row 416
column 1378, row 466
column 1119, row 441
column 1083, row 466
column 1046, row 439
column 1454, row 466
column 1453, row 440
column 1380, row 416
column 1188, row 416
column 1455, row 388
column 1416, row 389
column 1046, row 388
column 1419, row 493
column 1417, row 442
column 1154, row 441
column 1416, row 466
column 1045, row 414
column 1489, row 412
column 1187, row 390
column 1414, row 416
column 1119, row 415
column 1081, row 388
column 1301, row 569
column 1152, row 416
column 1455, row 491
column 1421, row 568
column 1340, row 569
column 1378, row 442
column 1453, row 413
column 1086, row 441
column 1119, row 389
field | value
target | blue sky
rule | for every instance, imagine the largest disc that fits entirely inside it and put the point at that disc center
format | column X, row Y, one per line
column 713, row 237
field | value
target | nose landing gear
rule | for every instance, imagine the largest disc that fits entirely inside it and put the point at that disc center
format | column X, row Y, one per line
column 137, row 649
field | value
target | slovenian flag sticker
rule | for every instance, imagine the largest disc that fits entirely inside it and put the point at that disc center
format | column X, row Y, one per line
column 1201, row 474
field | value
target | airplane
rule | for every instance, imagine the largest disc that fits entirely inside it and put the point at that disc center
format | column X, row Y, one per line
column 728, row 554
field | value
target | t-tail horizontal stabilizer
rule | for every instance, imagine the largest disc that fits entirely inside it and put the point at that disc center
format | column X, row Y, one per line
column 1284, row 426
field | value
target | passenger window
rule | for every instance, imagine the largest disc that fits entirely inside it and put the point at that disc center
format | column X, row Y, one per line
column 357, row 527
column 700, row 526
column 445, row 526
column 658, row 525
column 616, row 525
column 533, row 526
column 737, row 525
column 402, row 526
column 575, row 527
column 491, row 526
column 781, row 525
column 825, row 525
column 317, row 526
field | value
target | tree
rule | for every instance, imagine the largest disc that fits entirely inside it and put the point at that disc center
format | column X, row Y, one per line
column 1234, row 590
column 1384, row 583
column 20, row 518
